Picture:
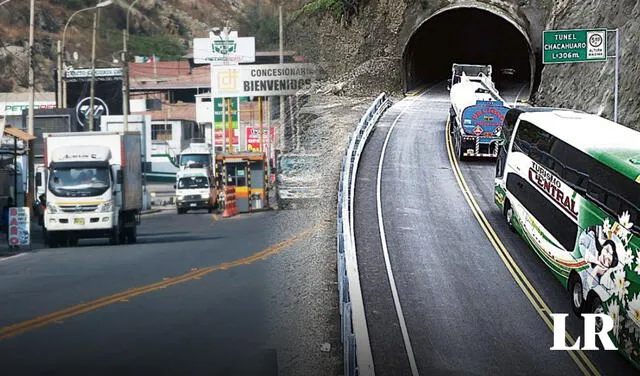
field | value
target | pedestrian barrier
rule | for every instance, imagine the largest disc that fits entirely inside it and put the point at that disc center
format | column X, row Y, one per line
column 355, row 335
column 230, row 208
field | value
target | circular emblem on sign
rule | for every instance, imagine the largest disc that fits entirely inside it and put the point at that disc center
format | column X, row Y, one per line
column 595, row 40
column 477, row 130
column 83, row 110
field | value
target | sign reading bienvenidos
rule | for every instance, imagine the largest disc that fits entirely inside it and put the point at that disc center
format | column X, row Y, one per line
column 261, row 80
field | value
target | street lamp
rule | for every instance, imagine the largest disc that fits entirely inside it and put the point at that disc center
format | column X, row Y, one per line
column 63, row 90
column 223, row 35
column 125, row 71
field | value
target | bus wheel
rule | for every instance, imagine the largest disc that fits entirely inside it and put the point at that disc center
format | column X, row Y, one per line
column 508, row 215
column 596, row 307
column 577, row 297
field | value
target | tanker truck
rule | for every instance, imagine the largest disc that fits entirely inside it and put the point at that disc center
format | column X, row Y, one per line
column 477, row 112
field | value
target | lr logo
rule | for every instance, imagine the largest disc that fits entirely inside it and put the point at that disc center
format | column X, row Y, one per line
column 592, row 328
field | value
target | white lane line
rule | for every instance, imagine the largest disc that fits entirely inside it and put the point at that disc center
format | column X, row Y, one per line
column 385, row 251
column 12, row 257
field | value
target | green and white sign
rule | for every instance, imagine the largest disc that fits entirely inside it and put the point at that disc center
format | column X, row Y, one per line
column 222, row 51
column 218, row 111
column 573, row 46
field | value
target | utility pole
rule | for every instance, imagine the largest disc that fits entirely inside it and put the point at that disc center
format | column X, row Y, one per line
column 59, row 88
column 125, row 69
column 93, row 71
column 282, row 98
column 32, row 94
column 125, row 81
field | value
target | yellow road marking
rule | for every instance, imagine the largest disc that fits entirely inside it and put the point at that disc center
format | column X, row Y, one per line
column 123, row 296
column 523, row 282
column 417, row 91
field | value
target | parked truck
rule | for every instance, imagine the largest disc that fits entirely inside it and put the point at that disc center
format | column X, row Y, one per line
column 94, row 186
column 477, row 111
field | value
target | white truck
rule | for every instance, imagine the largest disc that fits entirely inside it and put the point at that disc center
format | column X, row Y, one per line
column 199, row 153
column 195, row 189
column 195, row 182
column 94, row 186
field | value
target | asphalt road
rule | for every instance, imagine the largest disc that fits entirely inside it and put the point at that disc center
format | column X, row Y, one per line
column 195, row 296
column 464, row 312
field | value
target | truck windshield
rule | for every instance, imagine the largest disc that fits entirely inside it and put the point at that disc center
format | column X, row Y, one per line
column 79, row 182
column 203, row 159
column 193, row 182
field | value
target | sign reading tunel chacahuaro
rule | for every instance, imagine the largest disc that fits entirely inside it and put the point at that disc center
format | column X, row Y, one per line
column 573, row 46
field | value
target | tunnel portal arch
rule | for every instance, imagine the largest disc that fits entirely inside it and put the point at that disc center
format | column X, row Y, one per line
column 473, row 33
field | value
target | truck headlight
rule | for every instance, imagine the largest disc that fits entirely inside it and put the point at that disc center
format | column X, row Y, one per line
column 179, row 197
column 52, row 208
column 107, row 206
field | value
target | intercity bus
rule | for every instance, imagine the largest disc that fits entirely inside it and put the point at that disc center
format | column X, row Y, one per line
column 569, row 183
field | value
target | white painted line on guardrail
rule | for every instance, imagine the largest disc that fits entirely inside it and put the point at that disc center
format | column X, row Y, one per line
column 385, row 251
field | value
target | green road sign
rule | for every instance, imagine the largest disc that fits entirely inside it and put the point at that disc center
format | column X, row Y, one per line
column 573, row 46
column 218, row 110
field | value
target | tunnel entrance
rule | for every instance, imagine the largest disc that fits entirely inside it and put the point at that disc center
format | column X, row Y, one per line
column 468, row 36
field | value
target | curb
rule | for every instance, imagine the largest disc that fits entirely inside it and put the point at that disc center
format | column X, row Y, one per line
column 150, row 211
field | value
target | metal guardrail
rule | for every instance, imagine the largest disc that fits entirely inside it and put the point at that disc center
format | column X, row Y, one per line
column 355, row 335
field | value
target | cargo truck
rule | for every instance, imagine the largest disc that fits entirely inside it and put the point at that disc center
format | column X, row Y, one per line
column 94, row 186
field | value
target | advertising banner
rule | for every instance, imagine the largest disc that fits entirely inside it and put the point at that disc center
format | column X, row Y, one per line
column 253, row 138
column 219, row 134
column 19, row 228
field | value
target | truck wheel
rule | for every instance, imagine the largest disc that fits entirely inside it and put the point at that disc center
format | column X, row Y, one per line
column 132, row 235
column 122, row 234
column 457, row 147
column 115, row 236
column 52, row 240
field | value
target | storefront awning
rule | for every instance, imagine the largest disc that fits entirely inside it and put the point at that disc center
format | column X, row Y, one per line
column 17, row 133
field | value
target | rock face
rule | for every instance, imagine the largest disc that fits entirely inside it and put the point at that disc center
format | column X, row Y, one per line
column 590, row 87
column 368, row 53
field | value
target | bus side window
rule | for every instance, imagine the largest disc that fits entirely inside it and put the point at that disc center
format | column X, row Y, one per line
column 595, row 192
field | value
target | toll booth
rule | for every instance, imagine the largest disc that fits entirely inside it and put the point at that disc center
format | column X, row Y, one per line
column 247, row 173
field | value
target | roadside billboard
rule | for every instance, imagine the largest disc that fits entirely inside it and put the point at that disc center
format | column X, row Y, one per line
column 253, row 138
